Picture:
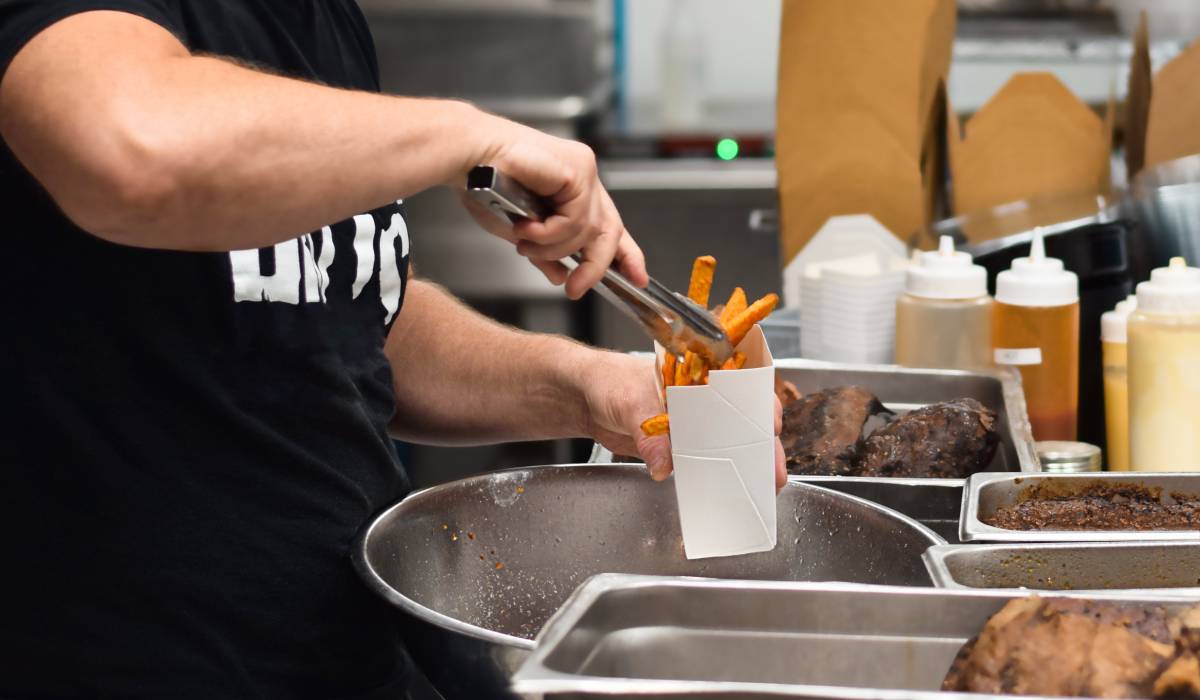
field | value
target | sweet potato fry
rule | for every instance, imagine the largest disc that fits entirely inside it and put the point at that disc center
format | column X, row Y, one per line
column 658, row 425
column 702, row 278
column 741, row 324
column 695, row 368
column 681, row 375
column 668, row 369
column 736, row 305
column 736, row 362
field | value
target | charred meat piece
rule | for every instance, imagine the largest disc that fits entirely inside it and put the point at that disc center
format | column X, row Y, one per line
column 822, row 431
column 1080, row 648
column 953, row 439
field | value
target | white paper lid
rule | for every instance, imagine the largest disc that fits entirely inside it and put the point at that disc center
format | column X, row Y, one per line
column 1114, row 324
column 1037, row 280
column 1171, row 289
column 946, row 274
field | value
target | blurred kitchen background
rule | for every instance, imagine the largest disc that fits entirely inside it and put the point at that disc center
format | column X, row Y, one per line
column 677, row 99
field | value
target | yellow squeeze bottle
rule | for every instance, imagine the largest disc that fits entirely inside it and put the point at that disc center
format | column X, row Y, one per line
column 1164, row 371
column 1113, row 340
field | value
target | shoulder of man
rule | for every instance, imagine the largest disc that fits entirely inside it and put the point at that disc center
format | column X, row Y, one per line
column 22, row 20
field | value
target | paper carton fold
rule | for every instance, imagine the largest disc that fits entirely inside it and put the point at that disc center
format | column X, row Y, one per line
column 723, row 447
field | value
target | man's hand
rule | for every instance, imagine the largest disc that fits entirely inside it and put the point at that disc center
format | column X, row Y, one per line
column 585, row 219
column 622, row 392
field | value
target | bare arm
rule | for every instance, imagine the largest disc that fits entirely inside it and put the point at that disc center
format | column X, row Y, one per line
column 143, row 143
column 461, row 378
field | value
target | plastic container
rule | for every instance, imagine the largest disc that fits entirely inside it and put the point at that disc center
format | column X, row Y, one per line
column 1113, row 339
column 1164, row 371
column 944, row 317
column 1036, row 328
column 1062, row 457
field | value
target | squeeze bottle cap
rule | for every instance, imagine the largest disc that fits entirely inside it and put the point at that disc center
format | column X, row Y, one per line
column 1037, row 280
column 1114, row 325
column 946, row 274
column 1171, row 289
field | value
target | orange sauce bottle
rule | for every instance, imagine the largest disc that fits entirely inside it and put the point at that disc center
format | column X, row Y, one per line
column 1036, row 329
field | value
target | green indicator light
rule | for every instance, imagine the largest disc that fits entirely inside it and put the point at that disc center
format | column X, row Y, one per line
column 727, row 149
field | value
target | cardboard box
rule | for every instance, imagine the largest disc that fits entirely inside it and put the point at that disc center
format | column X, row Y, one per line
column 1033, row 139
column 1137, row 101
column 1171, row 103
column 859, row 112
column 1171, row 130
column 723, row 446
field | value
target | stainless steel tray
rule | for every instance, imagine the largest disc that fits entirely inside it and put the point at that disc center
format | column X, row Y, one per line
column 984, row 493
column 936, row 503
column 1159, row 568
column 677, row 638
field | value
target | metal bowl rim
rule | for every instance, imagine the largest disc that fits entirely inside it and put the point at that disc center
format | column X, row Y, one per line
column 426, row 614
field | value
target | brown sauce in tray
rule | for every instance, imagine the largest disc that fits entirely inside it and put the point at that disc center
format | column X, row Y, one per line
column 1097, row 505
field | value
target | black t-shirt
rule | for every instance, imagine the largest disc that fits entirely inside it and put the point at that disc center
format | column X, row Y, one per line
column 193, row 440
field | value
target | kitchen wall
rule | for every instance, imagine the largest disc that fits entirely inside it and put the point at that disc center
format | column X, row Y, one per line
column 742, row 41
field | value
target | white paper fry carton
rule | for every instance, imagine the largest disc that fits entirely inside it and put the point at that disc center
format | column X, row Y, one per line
column 723, row 446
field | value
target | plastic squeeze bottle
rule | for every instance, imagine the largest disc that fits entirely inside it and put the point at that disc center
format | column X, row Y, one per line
column 1036, row 329
column 1113, row 335
column 944, row 317
column 1164, row 371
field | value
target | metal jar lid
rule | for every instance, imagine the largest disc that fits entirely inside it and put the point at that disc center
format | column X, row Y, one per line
column 1065, row 456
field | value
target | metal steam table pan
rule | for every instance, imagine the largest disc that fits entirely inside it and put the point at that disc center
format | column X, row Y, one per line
column 984, row 493
column 647, row 637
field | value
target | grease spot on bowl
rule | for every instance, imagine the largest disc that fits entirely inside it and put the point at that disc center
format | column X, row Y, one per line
column 506, row 488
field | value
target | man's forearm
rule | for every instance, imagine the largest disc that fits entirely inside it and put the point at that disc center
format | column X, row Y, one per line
column 461, row 378
column 160, row 148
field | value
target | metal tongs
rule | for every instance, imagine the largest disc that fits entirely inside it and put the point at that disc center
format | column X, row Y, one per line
column 673, row 320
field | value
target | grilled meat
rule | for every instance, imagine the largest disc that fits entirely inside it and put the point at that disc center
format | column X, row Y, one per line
column 1081, row 648
column 846, row 431
column 822, row 431
column 953, row 440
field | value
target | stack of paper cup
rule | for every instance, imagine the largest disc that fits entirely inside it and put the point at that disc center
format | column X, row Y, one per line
column 850, row 308
column 846, row 282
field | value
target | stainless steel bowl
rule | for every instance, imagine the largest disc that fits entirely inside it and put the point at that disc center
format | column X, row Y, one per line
column 477, row 566
column 1166, row 200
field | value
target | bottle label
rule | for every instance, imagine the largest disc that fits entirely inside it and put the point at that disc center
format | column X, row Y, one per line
column 1018, row 356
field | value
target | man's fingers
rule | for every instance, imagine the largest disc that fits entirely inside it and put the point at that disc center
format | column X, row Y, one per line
column 655, row 451
column 780, row 466
column 630, row 260
column 488, row 220
column 778, row 416
column 597, row 258
column 553, row 270
column 587, row 275
column 558, row 251
column 558, row 228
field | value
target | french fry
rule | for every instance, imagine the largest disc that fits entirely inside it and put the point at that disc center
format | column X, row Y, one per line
column 702, row 278
column 668, row 370
column 681, row 375
column 696, row 368
column 658, row 425
column 736, row 317
column 736, row 305
column 736, row 362
column 741, row 324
